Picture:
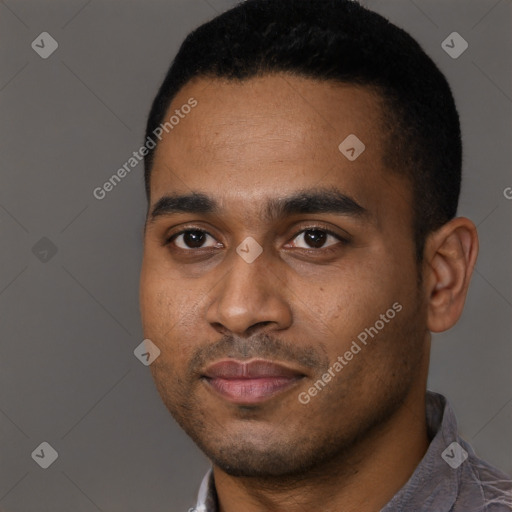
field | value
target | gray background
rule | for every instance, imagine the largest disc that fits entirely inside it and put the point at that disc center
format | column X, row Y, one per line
column 69, row 324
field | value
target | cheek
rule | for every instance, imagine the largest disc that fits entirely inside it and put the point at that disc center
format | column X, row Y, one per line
column 345, row 293
column 159, row 308
column 154, row 303
column 351, row 302
column 169, row 317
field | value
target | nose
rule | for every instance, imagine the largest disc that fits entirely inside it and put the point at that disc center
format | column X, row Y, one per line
column 250, row 297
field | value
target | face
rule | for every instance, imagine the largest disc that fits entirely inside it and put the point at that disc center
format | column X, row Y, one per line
column 279, row 278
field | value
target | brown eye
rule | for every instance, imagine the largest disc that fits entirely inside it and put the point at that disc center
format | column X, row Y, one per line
column 192, row 239
column 315, row 239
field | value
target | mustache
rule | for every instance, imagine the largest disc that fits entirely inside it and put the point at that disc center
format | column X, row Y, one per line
column 262, row 346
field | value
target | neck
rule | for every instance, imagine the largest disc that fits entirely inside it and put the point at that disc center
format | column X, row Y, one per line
column 363, row 479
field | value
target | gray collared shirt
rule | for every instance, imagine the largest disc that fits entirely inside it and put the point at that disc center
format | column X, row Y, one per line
column 449, row 478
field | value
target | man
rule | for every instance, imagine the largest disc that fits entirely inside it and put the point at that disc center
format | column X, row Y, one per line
column 301, row 245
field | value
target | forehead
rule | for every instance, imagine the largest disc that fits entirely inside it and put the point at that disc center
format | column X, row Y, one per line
column 287, row 114
column 268, row 135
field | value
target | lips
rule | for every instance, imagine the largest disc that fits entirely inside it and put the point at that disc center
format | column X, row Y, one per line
column 250, row 382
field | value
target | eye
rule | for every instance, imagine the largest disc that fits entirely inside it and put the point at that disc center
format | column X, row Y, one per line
column 315, row 238
column 192, row 239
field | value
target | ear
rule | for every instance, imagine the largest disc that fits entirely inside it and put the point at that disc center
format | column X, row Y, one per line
column 449, row 258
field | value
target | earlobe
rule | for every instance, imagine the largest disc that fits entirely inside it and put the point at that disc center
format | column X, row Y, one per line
column 450, row 254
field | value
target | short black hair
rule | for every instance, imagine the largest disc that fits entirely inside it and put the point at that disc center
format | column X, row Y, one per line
column 339, row 41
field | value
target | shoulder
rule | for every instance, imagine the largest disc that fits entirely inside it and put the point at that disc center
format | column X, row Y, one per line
column 483, row 488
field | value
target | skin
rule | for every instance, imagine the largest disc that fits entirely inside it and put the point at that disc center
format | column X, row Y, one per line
column 356, row 443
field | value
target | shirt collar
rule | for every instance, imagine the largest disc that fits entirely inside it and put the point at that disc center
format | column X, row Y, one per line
column 432, row 486
column 207, row 495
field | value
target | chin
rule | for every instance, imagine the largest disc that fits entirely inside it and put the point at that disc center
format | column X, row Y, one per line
column 243, row 457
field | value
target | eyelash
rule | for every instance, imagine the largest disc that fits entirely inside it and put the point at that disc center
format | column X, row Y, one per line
column 343, row 241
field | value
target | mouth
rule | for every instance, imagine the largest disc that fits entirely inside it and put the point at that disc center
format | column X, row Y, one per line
column 250, row 382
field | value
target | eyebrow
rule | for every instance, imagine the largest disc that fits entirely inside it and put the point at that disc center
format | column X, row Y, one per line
column 307, row 201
